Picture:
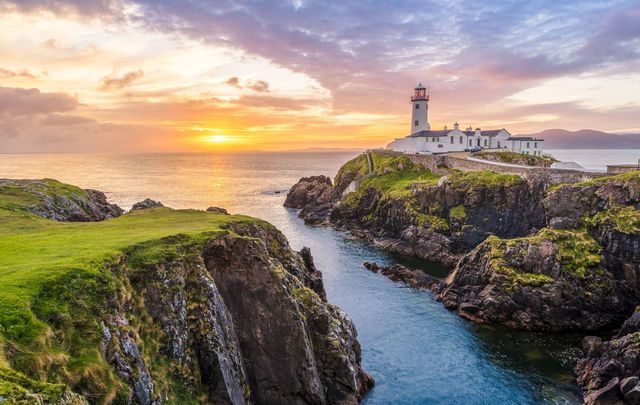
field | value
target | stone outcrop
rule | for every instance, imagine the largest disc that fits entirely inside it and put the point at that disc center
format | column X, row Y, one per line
column 413, row 278
column 567, row 205
column 218, row 210
column 62, row 202
column 610, row 371
column 146, row 204
column 555, row 280
column 313, row 197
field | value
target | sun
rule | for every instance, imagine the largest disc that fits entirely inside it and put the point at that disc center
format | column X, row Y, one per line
column 216, row 138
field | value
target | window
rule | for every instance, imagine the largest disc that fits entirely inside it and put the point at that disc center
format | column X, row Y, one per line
column 417, row 123
column 461, row 141
column 535, row 144
column 485, row 142
column 451, row 140
column 433, row 139
column 440, row 146
column 498, row 144
column 528, row 145
column 417, row 106
column 469, row 142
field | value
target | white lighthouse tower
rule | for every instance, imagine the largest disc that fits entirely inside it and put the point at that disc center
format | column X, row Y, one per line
column 420, row 110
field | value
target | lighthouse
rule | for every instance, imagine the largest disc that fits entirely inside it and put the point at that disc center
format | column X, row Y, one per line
column 420, row 110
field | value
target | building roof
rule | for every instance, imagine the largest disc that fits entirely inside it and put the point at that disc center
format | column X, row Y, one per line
column 492, row 132
column 427, row 134
column 523, row 138
column 446, row 132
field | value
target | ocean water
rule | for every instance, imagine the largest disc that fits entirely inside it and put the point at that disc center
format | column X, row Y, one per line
column 418, row 352
column 596, row 159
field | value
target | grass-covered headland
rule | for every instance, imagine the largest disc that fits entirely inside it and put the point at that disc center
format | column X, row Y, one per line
column 55, row 284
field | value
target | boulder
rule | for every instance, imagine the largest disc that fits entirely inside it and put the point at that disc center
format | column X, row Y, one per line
column 218, row 210
column 313, row 196
column 146, row 204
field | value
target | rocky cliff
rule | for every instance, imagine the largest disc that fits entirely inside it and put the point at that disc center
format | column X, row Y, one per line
column 403, row 207
column 54, row 200
column 176, row 307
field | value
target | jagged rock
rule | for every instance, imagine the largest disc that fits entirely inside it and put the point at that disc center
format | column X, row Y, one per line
column 609, row 371
column 568, row 205
column 61, row 202
column 146, row 204
column 218, row 210
column 319, row 363
column 414, row 278
column 420, row 242
column 313, row 196
column 532, row 283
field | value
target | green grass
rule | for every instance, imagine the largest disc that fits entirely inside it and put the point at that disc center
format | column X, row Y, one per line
column 577, row 251
column 458, row 213
column 516, row 158
column 55, row 282
column 623, row 219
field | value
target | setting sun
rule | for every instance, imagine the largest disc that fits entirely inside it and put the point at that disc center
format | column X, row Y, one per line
column 216, row 139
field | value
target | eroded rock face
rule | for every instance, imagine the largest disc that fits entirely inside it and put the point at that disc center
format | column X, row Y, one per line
column 290, row 361
column 61, row 202
column 610, row 370
column 242, row 320
column 313, row 196
column 530, row 284
column 567, row 206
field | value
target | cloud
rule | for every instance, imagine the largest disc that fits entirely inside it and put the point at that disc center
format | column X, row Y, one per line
column 18, row 101
column 234, row 82
column 80, row 7
column 17, row 73
column 260, row 86
column 113, row 82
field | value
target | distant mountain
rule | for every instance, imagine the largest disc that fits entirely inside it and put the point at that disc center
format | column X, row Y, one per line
column 586, row 139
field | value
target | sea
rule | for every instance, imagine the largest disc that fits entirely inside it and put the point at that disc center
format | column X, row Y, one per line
column 417, row 351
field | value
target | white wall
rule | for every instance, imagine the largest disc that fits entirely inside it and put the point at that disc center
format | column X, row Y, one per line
column 421, row 115
column 535, row 148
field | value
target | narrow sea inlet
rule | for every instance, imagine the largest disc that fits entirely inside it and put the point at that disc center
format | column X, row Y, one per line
column 418, row 351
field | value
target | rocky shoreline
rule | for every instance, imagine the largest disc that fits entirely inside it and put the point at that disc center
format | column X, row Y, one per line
column 523, row 254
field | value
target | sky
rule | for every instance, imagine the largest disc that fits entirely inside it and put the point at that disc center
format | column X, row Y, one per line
column 180, row 75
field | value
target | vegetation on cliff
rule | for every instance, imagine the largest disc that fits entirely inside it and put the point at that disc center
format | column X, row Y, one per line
column 515, row 158
column 82, row 304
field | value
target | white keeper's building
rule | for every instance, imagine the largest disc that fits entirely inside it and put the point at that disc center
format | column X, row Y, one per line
column 423, row 140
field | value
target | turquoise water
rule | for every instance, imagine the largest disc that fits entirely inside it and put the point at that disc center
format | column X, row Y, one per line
column 418, row 352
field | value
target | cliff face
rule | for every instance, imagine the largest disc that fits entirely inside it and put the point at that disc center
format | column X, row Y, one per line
column 229, row 315
column 580, row 274
column 405, row 208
